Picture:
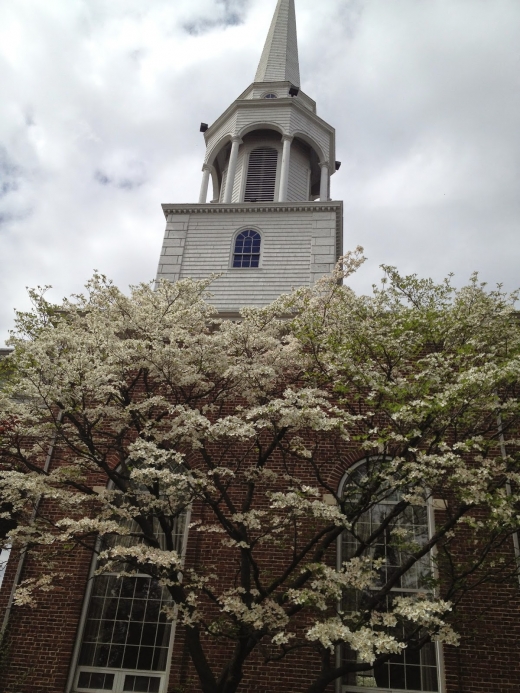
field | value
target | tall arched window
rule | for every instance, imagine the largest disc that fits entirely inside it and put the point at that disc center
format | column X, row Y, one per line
column 126, row 636
column 247, row 249
column 261, row 175
column 416, row 669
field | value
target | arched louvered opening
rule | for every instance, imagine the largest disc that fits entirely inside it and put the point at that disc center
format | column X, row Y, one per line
column 261, row 175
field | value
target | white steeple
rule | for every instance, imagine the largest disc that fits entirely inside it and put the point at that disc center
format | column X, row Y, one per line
column 270, row 224
column 279, row 61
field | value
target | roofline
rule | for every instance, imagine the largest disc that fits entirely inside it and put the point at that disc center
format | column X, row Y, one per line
column 238, row 207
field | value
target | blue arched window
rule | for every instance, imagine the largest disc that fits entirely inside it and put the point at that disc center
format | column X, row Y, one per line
column 247, row 249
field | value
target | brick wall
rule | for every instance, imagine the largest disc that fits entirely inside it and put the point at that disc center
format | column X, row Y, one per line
column 41, row 640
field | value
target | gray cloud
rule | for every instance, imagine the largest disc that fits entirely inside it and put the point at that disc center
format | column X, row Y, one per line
column 131, row 175
column 101, row 104
column 9, row 174
column 229, row 13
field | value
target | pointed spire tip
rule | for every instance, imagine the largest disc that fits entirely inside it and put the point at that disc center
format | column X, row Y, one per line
column 279, row 61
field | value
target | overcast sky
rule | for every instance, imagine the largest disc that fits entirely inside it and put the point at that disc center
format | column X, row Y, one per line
column 101, row 101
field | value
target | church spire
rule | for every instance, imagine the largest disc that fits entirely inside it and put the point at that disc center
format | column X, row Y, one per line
column 279, row 61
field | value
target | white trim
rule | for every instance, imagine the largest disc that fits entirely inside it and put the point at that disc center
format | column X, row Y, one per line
column 82, row 621
column 4, row 559
column 503, row 453
column 75, row 668
column 365, row 689
column 119, row 679
column 441, row 672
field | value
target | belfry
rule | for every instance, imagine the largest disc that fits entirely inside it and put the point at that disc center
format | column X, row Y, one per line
column 270, row 225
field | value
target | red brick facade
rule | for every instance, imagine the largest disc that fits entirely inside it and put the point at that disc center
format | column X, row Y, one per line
column 38, row 652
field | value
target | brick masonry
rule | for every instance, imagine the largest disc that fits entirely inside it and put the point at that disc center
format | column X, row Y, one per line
column 42, row 639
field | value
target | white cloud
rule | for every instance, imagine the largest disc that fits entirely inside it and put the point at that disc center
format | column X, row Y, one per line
column 101, row 104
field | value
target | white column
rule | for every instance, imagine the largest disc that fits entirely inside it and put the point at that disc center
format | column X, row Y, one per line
column 232, row 169
column 324, row 184
column 205, row 184
column 284, row 174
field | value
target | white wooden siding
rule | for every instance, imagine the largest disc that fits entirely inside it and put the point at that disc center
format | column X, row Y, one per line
column 240, row 172
column 301, row 123
column 257, row 91
column 228, row 127
column 298, row 188
column 298, row 247
column 278, row 114
column 223, row 185
column 290, row 119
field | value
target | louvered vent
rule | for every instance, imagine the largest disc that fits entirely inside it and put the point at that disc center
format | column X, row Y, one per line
column 261, row 175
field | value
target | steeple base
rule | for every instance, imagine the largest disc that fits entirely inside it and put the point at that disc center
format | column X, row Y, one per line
column 299, row 244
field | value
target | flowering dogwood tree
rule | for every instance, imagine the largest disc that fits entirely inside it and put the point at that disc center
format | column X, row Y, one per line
column 159, row 414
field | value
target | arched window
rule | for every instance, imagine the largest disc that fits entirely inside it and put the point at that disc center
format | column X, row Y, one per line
column 247, row 249
column 126, row 638
column 270, row 96
column 261, row 175
column 415, row 669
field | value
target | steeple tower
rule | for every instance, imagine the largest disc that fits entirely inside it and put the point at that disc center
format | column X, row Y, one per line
column 270, row 225
column 279, row 61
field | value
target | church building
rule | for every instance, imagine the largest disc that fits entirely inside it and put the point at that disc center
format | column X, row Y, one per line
column 264, row 223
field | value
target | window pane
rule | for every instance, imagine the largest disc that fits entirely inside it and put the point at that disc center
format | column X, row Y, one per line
column 145, row 658
column 115, row 659
column 413, row 678
column 95, row 680
column 86, row 657
column 159, row 658
column 413, row 670
column 247, row 249
column 126, row 629
column 143, row 684
column 130, row 658
column 101, row 656
column 131, row 641
column 149, row 632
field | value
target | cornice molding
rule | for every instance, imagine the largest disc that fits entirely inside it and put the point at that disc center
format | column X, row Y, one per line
column 262, row 207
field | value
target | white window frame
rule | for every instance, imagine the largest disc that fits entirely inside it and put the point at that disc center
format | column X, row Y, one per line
column 120, row 674
column 119, row 679
column 441, row 678
column 4, row 560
